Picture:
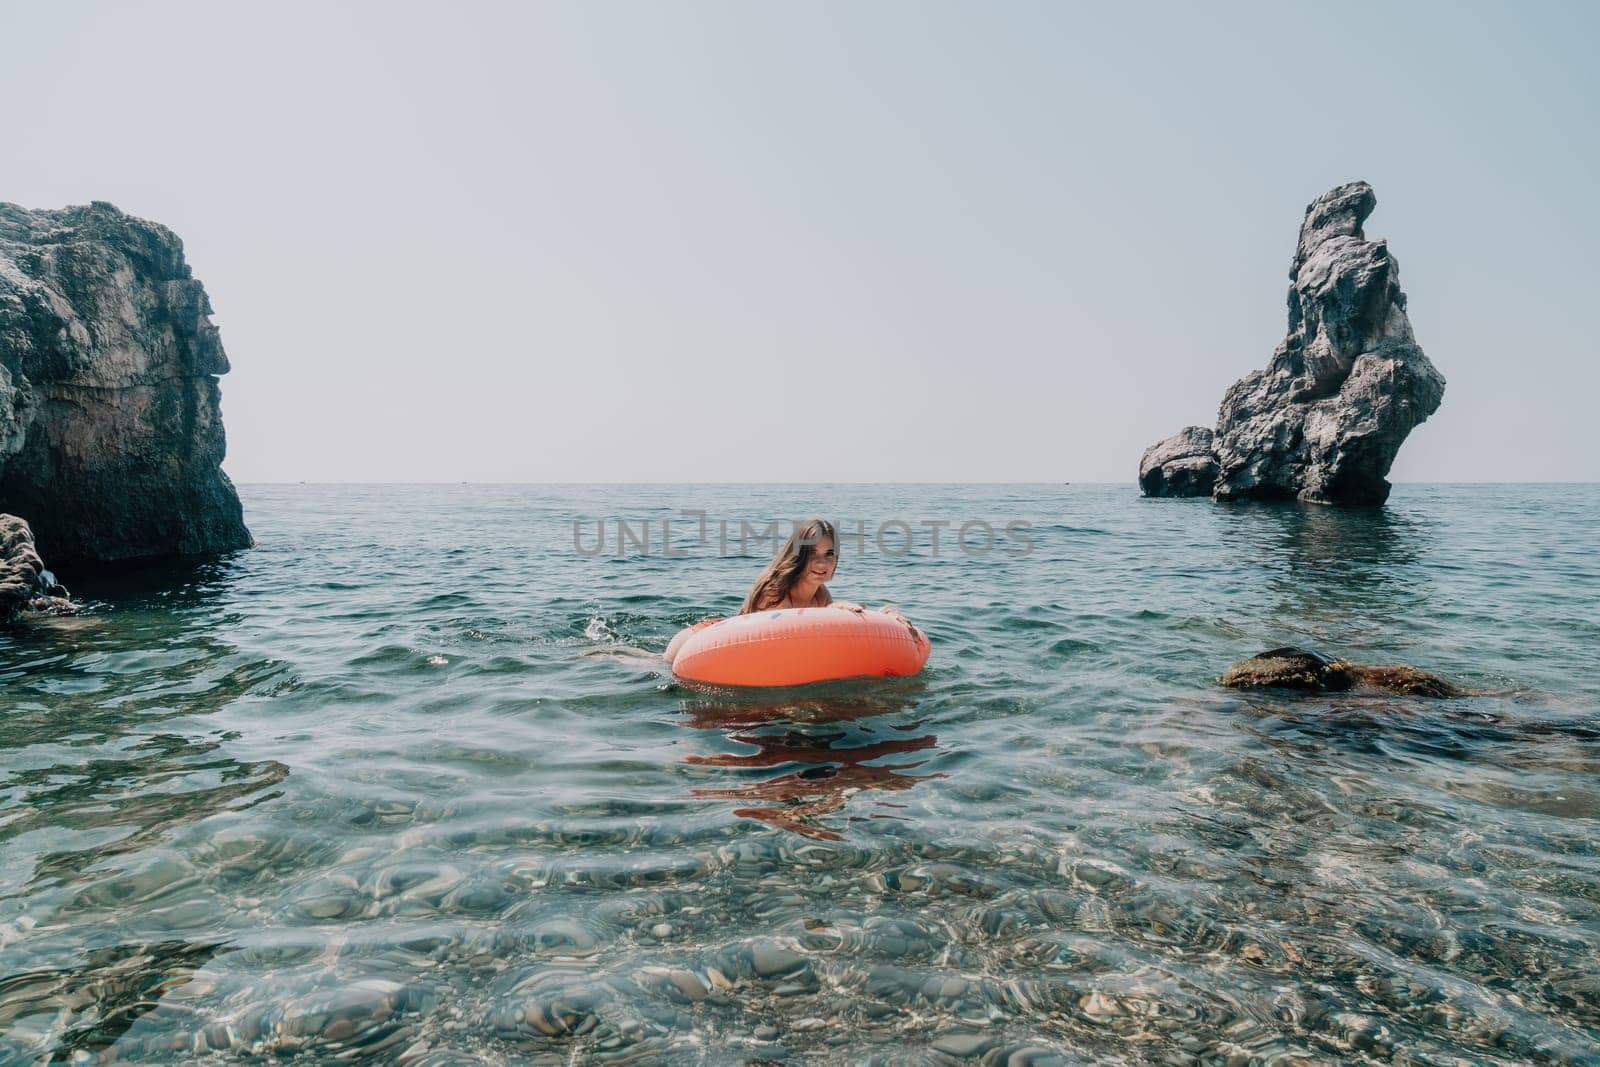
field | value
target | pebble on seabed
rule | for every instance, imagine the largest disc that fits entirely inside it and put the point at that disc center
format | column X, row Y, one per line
column 676, row 983
column 772, row 960
column 1097, row 1005
column 963, row 1045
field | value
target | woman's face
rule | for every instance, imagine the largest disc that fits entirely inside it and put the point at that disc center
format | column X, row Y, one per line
column 823, row 560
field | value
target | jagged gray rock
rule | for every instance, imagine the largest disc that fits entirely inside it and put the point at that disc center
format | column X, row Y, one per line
column 1325, row 419
column 111, row 439
column 1185, row 464
column 23, row 580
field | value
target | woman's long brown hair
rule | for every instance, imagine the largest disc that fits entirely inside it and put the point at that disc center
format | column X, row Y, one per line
column 790, row 562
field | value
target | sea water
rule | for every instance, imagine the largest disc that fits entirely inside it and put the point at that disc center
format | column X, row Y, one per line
column 399, row 784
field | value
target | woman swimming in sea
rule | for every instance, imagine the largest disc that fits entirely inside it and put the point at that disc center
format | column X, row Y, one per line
column 797, row 578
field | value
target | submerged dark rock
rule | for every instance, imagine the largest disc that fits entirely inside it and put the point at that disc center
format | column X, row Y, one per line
column 1309, row 671
column 1408, row 681
column 1325, row 419
column 111, row 438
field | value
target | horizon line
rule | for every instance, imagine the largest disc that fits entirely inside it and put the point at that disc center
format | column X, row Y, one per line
column 1128, row 484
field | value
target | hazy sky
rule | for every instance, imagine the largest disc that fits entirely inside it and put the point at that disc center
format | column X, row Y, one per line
column 822, row 241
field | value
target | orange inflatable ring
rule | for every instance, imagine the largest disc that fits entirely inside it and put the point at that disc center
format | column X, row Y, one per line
column 794, row 646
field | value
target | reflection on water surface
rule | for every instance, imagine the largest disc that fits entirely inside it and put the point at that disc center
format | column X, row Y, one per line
column 837, row 764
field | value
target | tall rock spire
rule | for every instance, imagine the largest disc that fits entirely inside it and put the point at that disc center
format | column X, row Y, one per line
column 1325, row 419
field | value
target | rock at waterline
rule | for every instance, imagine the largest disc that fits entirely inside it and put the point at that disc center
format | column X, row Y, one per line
column 1185, row 464
column 1290, row 668
column 1408, row 681
column 24, row 582
column 111, row 438
column 1308, row 671
column 1325, row 419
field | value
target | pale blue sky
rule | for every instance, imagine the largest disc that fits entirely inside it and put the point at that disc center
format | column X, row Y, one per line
column 822, row 242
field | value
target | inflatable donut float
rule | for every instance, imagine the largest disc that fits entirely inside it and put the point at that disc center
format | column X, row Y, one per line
column 795, row 646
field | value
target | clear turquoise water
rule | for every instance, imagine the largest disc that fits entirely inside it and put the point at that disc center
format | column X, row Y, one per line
column 390, row 786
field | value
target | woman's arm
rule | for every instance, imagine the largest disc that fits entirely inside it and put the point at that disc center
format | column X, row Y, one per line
column 824, row 599
column 677, row 642
column 888, row 609
column 895, row 613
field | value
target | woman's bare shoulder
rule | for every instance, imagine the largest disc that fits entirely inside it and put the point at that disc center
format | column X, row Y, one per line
column 822, row 598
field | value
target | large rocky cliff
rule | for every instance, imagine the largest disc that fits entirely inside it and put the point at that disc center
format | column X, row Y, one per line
column 111, row 438
column 1325, row 419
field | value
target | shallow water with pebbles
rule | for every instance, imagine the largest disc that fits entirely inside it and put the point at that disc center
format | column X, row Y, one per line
column 392, row 787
